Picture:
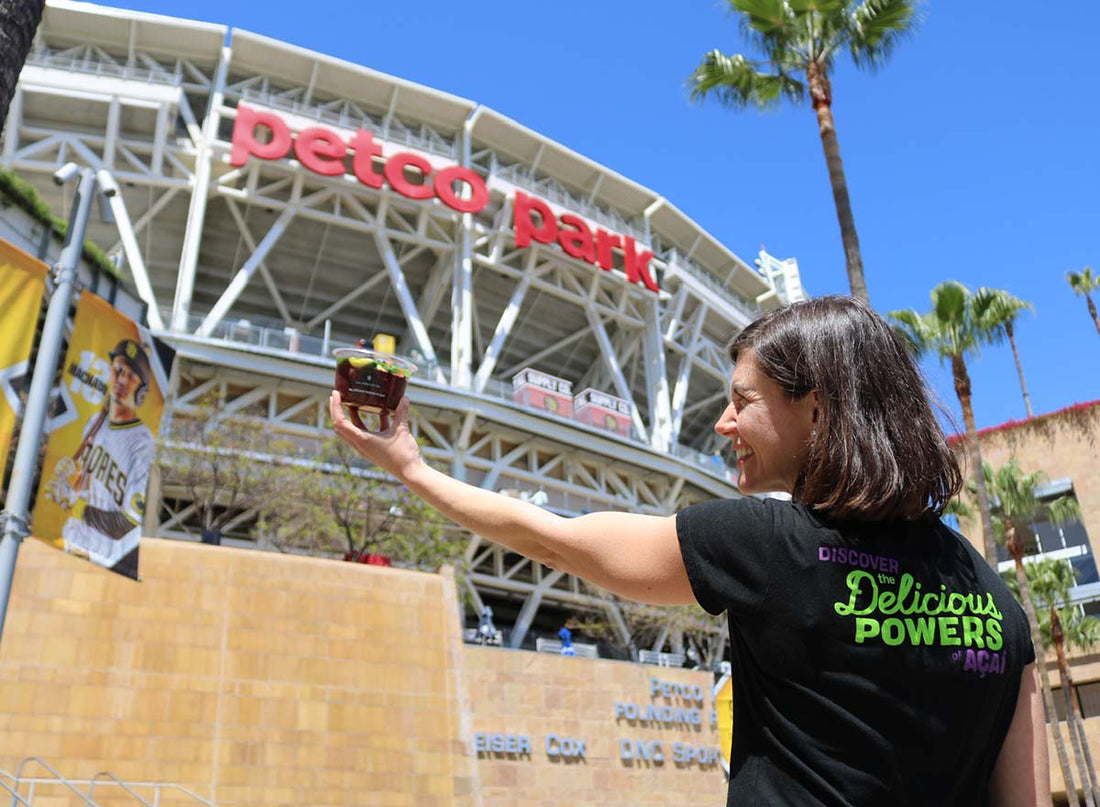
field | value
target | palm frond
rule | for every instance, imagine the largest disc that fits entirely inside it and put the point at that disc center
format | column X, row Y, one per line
column 1063, row 510
column 959, row 508
column 770, row 88
column 950, row 321
column 913, row 329
column 1080, row 631
column 949, row 302
column 875, row 28
column 820, row 27
column 1015, row 490
column 1083, row 282
column 996, row 516
column 768, row 18
column 1000, row 306
column 826, row 8
column 735, row 82
column 1050, row 581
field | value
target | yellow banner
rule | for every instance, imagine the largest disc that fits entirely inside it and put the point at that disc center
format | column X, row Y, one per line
column 22, row 281
column 102, row 432
column 723, row 706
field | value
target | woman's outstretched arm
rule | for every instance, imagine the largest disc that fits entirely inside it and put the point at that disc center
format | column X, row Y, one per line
column 1021, row 777
column 631, row 555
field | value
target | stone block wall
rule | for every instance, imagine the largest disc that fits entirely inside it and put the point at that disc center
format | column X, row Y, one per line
column 261, row 679
column 548, row 699
column 247, row 677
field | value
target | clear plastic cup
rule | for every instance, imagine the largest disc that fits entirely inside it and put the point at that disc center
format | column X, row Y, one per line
column 371, row 382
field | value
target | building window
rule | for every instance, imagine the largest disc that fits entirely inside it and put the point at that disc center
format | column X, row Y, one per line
column 1088, row 699
column 1069, row 541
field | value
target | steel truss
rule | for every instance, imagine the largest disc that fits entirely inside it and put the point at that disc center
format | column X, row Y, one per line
column 476, row 446
column 214, row 248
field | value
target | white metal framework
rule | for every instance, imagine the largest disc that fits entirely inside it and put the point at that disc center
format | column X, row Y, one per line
column 255, row 271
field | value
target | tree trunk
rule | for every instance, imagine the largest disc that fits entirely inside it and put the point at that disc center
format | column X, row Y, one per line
column 1012, row 543
column 1092, row 310
column 821, row 93
column 18, row 21
column 1075, row 717
column 1075, row 744
column 962, row 389
column 1019, row 368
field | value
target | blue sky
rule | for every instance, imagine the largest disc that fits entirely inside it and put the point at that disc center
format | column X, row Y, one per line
column 971, row 156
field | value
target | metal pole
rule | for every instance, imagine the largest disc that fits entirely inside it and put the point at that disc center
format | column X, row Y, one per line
column 38, row 398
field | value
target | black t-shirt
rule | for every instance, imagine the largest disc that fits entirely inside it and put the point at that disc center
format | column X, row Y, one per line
column 871, row 664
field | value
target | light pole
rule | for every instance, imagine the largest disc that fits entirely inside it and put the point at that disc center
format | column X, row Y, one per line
column 14, row 517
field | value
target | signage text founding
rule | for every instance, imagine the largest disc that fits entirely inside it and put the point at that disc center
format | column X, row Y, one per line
column 323, row 151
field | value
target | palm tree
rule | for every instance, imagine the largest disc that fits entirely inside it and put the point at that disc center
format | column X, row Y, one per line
column 1017, row 507
column 1050, row 582
column 1004, row 310
column 958, row 324
column 1083, row 283
column 18, row 21
column 800, row 40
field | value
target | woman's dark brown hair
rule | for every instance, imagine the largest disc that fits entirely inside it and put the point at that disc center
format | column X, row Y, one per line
column 878, row 451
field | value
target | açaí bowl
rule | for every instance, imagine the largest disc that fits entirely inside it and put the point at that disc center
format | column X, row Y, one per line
column 369, row 381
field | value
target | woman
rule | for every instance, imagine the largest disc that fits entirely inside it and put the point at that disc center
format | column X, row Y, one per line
column 877, row 659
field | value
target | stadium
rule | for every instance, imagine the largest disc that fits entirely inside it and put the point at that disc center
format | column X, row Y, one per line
column 569, row 326
column 568, row 323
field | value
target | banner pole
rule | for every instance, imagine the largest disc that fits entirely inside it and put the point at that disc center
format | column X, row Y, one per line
column 14, row 520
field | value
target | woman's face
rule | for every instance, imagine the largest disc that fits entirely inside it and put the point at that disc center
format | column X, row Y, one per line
column 768, row 430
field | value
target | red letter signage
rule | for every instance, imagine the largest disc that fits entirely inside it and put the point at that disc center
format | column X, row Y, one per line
column 576, row 242
column 244, row 136
column 395, row 175
column 323, row 151
column 636, row 265
column 524, row 225
column 363, row 161
column 479, row 193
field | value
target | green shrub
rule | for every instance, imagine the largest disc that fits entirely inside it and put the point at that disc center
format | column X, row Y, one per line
column 22, row 194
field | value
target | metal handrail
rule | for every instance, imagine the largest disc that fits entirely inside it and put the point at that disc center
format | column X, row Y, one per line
column 115, row 781
column 315, row 348
column 57, row 776
column 523, row 176
column 158, row 788
column 16, row 798
column 436, row 144
column 100, row 67
column 673, row 257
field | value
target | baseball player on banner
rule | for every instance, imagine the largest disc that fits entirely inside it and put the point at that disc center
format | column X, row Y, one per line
column 110, row 469
column 92, row 501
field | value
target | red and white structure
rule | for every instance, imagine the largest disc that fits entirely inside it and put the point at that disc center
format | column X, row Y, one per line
column 278, row 203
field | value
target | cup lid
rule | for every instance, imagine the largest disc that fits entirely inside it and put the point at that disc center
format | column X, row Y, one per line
column 386, row 360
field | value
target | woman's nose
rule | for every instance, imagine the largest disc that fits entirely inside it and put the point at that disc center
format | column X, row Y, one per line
column 727, row 422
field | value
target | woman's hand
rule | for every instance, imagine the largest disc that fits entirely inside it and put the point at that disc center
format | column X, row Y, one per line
column 393, row 449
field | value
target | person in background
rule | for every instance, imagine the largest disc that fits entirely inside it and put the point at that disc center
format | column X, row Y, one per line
column 566, row 637
column 876, row 658
column 486, row 630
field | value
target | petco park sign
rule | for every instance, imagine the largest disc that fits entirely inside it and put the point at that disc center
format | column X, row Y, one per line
column 323, row 151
